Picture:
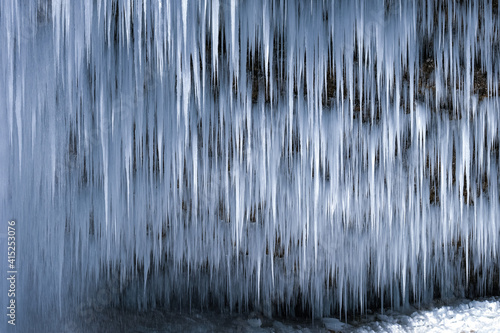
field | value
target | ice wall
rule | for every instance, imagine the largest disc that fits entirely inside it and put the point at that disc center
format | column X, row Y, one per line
column 295, row 157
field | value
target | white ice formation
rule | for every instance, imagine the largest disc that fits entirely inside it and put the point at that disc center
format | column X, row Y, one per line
column 293, row 157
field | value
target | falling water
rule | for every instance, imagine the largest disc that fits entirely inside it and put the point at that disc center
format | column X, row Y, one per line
column 294, row 157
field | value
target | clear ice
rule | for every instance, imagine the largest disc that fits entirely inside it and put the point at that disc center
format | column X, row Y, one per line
column 295, row 157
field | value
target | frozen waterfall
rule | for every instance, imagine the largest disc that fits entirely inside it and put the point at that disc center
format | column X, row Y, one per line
column 290, row 157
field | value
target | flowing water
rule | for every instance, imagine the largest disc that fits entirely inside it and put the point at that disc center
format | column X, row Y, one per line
column 287, row 157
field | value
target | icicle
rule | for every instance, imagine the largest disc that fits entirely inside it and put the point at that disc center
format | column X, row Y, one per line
column 265, row 154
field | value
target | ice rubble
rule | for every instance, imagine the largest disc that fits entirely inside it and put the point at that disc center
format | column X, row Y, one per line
column 291, row 157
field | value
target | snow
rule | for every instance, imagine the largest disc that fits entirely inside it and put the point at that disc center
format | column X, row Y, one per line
column 284, row 157
column 463, row 316
column 332, row 324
